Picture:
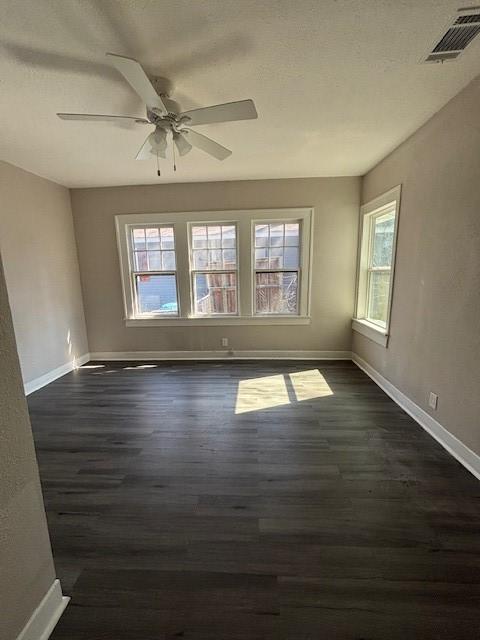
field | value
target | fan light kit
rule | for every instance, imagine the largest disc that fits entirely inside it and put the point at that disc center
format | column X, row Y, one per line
column 165, row 115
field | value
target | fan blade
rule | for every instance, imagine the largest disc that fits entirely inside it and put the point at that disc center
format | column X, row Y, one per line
column 94, row 116
column 145, row 151
column 182, row 144
column 206, row 144
column 242, row 110
column 134, row 74
column 156, row 143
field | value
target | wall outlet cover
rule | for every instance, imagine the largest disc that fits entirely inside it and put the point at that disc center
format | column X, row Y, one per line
column 433, row 400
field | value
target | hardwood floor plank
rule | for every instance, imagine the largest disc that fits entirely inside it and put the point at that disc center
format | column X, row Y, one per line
column 180, row 508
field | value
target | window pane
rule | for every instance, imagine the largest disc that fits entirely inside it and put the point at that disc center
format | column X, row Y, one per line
column 157, row 249
column 140, row 261
column 276, row 235
column 276, row 257
column 215, row 258
column 167, row 238
column 382, row 241
column 154, row 261
column 215, row 293
column 157, row 294
column 214, row 237
column 199, row 237
column 168, row 260
column 378, row 292
column 290, row 257
column 229, row 258
column 292, row 238
column 200, row 259
column 153, row 239
column 276, row 292
column 221, row 244
column 261, row 258
column 261, row 235
column 139, row 239
column 228, row 237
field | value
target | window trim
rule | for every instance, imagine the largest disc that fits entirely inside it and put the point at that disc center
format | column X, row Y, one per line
column 243, row 220
column 193, row 271
column 368, row 212
column 378, row 213
column 133, row 272
column 301, row 294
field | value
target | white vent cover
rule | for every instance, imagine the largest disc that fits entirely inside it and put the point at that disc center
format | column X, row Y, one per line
column 459, row 33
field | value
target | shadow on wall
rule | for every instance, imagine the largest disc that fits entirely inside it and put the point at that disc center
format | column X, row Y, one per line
column 113, row 27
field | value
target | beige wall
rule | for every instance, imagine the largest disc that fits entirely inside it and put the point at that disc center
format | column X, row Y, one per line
column 435, row 324
column 336, row 202
column 26, row 565
column 41, row 270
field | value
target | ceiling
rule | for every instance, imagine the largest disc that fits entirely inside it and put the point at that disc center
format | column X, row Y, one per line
column 337, row 83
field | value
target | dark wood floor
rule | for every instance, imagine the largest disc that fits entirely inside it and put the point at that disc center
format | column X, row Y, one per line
column 333, row 517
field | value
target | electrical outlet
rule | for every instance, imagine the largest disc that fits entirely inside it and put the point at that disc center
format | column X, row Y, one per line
column 432, row 400
column 224, row 342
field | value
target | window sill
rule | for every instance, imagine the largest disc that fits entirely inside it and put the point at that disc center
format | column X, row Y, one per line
column 217, row 321
column 370, row 331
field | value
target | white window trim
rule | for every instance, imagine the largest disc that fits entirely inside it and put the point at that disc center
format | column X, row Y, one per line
column 214, row 271
column 303, row 282
column 244, row 220
column 369, row 329
column 133, row 272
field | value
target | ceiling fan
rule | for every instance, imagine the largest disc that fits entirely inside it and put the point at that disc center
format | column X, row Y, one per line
column 165, row 115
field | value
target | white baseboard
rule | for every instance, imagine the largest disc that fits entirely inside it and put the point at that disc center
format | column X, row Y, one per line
column 221, row 355
column 50, row 376
column 468, row 458
column 43, row 620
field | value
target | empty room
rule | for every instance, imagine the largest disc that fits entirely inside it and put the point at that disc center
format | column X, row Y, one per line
column 239, row 320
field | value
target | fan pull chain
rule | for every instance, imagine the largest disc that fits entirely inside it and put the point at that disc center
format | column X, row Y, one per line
column 158, row 166
column 174, row 161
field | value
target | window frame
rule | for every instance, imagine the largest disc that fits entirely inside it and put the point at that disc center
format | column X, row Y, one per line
column 193, row 271
column 154, row 272
column 369, row 212
column 298, row 269
column 244, row 220
column 371, row 269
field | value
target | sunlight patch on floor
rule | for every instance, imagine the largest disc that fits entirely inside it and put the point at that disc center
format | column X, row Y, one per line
column 261, row 393
column 309, row 385
column 140, row 366
column 256, row 394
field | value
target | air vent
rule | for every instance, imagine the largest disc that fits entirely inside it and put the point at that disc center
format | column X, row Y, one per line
column 459, row 33
column 439, row 57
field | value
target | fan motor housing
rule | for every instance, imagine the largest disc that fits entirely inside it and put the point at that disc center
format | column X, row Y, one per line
column 170, row 122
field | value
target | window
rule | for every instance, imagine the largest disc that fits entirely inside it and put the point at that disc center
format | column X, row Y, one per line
column 277, row 267
column 216, row 268
column 382, row 228
column 154, row 270
column 376, row 264
column 213, row 266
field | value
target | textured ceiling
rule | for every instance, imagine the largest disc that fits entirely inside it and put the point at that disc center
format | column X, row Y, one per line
column 337, row 83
